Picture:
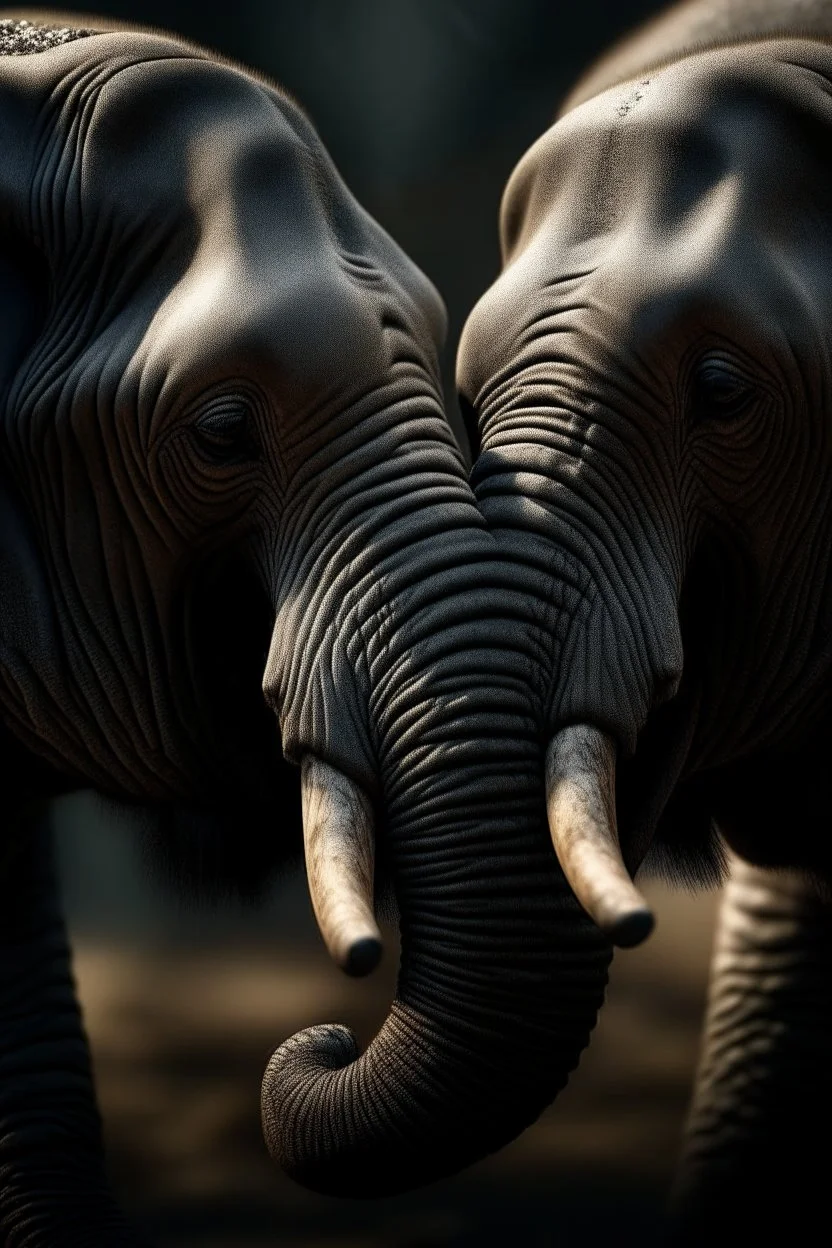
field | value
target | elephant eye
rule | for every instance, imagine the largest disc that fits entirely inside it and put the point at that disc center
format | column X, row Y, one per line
column 224, row 433
column 721, row 391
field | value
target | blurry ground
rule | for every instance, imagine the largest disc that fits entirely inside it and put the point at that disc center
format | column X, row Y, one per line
column 184, row 1010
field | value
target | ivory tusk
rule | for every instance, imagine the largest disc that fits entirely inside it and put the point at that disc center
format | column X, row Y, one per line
column 339, row 850
column 580, row 803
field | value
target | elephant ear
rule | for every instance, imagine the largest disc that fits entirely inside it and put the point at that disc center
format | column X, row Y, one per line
column 24, row 282
column 687, row 850
column 26, row 611
column 23, row 299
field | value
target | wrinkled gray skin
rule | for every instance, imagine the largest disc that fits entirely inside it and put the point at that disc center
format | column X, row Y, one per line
column 648, row 387
column 224, row 464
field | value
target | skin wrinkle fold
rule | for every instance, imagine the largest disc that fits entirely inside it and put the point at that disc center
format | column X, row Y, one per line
column 82, row 634
column 391, row 439
column 409, row 719
column 618, row 584
column 309, row 479
column 104, row 584
column 85, row 638
column 772, row 951
column 594, row 404
column 626, row 586
column 327, row 525
column 58, row 193
column 90, row 673
column 335, row 592
column 395, row 512
column 394, row 547
column 123, row 587
column 487, row 640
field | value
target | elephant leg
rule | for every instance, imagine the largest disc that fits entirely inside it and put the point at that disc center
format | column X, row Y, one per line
column 756, row 1151
column 53, row 1188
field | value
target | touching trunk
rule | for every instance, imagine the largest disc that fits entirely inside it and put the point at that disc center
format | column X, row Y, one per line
column 502, row 973
column 500, row 983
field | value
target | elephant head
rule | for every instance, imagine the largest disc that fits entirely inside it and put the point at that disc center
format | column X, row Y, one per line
column 647, row 383
column 647, row 388
column 225, row 464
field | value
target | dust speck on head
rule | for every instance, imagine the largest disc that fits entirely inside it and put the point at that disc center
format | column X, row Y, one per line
column 630, row 101
column 22, row 38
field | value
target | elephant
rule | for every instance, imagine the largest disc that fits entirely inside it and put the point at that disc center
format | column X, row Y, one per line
column 245, row 584
column 646, row 388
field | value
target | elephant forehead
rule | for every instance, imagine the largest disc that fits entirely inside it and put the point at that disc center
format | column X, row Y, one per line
column 700, row 188
column 184, row 137
column 300, row 330
column 256, row 254
column 654, row 147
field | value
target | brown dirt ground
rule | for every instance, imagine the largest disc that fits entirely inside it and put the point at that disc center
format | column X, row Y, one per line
column 183, row 1012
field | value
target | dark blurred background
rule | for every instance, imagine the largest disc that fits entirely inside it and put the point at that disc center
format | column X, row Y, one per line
column 425, row 105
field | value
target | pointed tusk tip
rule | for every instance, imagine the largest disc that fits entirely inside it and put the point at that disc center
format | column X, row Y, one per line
column 632, row 928
column 362, row 957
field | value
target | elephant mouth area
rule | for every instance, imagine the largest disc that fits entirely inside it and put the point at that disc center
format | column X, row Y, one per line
column 649, row 782
column 227, row 852
column 228, row 624
column 237, row 819
column 665, row 802
column 664, row 797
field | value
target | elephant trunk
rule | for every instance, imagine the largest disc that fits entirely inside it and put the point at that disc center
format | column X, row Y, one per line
column 501, row 979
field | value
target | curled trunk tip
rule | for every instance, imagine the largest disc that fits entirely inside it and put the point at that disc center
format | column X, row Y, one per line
column 489, row 1017
column 302, row 1061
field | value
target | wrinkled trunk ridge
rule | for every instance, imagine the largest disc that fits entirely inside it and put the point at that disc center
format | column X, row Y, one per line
column 502, row 974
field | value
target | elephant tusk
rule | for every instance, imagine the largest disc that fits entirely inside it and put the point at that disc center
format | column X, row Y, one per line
column 580, row 803
column 338, row 845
